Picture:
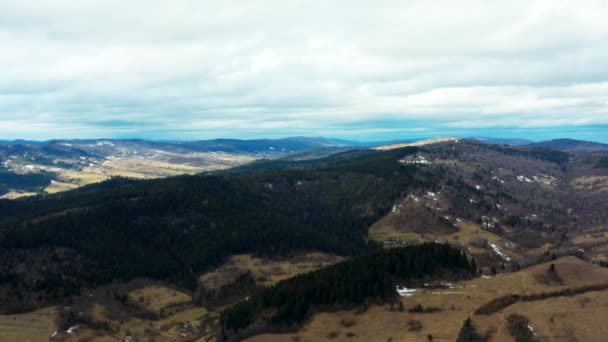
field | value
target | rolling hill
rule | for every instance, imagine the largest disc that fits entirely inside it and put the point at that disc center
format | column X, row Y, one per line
column 572, row 146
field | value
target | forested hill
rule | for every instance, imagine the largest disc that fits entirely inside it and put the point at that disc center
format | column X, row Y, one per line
column 177, row 227
column 350, row 282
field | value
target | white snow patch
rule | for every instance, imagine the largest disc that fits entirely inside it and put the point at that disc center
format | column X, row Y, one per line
column 405, row 292
column 524, row 179
column 71, row 330
column 498, row 251
column 417, row 160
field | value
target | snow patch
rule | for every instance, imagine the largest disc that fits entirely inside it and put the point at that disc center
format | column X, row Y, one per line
column 524, row 179
column 71, row 330
column 499, row 252
column 405, row 292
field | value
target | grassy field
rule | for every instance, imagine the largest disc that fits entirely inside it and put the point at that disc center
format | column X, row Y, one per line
column 17, row 194
column 164, row 165
column 171, row 327
column 577, row 318
column 590, row 239
column 156, row 298
column 454, row 305
column 591, row 183
column 266, row 271
column 468, row 231
column 141, row 168
column 387, row 228
column 29, row 327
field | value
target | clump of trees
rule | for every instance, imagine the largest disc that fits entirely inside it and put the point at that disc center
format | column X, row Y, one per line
column 519, row 328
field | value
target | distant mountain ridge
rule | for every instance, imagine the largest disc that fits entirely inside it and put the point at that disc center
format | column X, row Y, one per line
column 214, row 145
column 572, row 146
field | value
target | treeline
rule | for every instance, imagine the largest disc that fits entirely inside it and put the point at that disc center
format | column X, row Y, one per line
column 558, row 157
column 27, row 182
column 351, row 282
column 505, row 301
column 177, row 227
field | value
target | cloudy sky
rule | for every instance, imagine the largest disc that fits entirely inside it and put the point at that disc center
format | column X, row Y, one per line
column 366, row 70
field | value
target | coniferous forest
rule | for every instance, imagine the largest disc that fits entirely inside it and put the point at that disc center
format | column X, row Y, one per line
column 352, row 282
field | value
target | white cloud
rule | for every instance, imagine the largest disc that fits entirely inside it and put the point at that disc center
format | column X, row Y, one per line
column 269, row 67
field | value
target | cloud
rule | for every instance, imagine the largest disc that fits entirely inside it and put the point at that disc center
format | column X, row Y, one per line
column 199, row 69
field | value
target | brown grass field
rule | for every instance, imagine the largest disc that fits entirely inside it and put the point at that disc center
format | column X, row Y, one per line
column 266, row 271
column 29, row 327
column 156, row 298
column 595, row 183
column 164, row 165
column 379, row 323
column 467, row 232
column 17, row 194
column 147, row 330
column 575, row 318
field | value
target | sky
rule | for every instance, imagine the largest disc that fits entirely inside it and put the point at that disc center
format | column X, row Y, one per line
column 363, row 70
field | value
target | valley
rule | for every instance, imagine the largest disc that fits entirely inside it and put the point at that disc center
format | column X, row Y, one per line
column 228, row 255
column 30, row 168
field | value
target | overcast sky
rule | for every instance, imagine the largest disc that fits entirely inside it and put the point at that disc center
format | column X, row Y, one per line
column 353, row 69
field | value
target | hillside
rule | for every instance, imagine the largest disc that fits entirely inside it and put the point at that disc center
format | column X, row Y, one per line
column 178, row 227
column 219, row 238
